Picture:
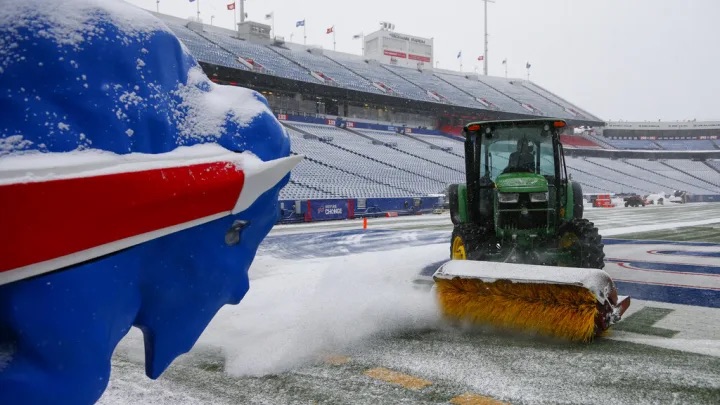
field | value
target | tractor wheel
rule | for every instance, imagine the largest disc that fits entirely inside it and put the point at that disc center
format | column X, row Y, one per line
column 467, row 242
column 580, row 238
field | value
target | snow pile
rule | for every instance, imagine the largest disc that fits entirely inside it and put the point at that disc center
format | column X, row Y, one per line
column 206, row 107
column 298, row 311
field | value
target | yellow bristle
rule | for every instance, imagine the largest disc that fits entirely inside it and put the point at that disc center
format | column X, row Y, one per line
column 563, row 311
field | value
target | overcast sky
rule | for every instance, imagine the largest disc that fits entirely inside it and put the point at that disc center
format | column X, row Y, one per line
column 618, row 59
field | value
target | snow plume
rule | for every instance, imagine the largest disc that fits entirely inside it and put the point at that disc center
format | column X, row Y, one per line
column 300, row 311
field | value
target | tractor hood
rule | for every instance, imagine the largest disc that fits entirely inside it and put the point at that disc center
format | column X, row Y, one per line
column 521, row 183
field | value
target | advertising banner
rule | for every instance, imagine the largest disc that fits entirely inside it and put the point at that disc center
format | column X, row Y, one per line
column 328, row 209
column 395, row 54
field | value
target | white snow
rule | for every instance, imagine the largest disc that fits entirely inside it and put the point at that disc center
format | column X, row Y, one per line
column 37, row 166
column 206, row 112
column 13, row 143
column 72, row 22
column 297, row 310
column 597, row 281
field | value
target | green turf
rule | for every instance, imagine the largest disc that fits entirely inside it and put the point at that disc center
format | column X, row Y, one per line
column 643, row 320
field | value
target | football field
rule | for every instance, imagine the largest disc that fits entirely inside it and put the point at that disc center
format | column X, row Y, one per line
column 335, row 315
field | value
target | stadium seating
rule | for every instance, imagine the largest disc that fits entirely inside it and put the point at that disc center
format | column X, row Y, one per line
column 686, row 144
column 482, row 91
column 204, row 50
column 631, row 144
column 439, row 90
column 352, row 166
column 520, row 93
column 338, row 74
column 666, row 174
column 376, row 74
column 578, row 142
column 364, row 164
column 271, row 62
column 353, row 72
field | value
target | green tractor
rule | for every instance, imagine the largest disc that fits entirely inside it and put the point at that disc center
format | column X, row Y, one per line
column 518, row 205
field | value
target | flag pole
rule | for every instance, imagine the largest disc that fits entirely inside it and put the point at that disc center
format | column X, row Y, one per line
column 485, row 60
column 235, row 27
column 333, row 37
column 304, row 32
column 242, row 11
column 198, row 10
column 273, row 24
column 157, row 6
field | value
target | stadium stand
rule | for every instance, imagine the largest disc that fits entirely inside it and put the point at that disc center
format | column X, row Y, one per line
column 335, row 73
column 437, row 89
column 204, row 50
column 385, row 79
column 688, row 144
column 578, row 142
column 631, row 144
column 357, row 162
column 262, row 57
column 480, row 90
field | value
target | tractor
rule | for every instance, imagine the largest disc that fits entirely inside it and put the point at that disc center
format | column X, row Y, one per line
column 518, row 204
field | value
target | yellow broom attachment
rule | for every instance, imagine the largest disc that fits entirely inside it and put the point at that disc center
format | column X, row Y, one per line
column 569, row 303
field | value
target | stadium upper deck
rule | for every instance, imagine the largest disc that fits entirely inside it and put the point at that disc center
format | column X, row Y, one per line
column 352, row 76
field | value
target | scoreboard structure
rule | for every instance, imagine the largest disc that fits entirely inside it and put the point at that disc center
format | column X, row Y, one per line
column 392, row 48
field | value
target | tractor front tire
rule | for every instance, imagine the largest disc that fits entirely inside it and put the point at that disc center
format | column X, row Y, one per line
column 581, row 239
column 466, row 242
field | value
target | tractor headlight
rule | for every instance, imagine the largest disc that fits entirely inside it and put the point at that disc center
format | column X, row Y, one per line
column 508, row 198
column 538, row 197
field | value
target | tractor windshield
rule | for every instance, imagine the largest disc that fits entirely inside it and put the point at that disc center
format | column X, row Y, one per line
column 518, row 149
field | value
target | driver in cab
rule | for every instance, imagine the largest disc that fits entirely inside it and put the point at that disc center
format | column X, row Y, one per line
column 523, row 159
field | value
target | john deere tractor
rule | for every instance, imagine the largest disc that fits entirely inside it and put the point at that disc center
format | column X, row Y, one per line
column 518, row 205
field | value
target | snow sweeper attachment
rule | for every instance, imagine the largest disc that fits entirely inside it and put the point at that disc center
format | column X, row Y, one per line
column 522, row 255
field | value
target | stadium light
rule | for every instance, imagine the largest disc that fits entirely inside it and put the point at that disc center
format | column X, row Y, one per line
column 485, row 58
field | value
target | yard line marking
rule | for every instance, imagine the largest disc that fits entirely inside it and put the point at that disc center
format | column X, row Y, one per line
column 395, row 377
column 475, row 399
column 336, row 360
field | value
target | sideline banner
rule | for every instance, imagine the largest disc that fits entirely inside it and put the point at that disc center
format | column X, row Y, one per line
column 321, row 210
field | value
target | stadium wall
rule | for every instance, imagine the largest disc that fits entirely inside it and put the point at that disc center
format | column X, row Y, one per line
column 291, row 211
column 355, row 124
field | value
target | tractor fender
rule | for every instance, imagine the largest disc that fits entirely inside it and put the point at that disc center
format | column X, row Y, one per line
column 578, row 202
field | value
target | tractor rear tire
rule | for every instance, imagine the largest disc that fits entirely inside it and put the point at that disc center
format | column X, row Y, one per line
column 581, row 238
column 467, row 242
